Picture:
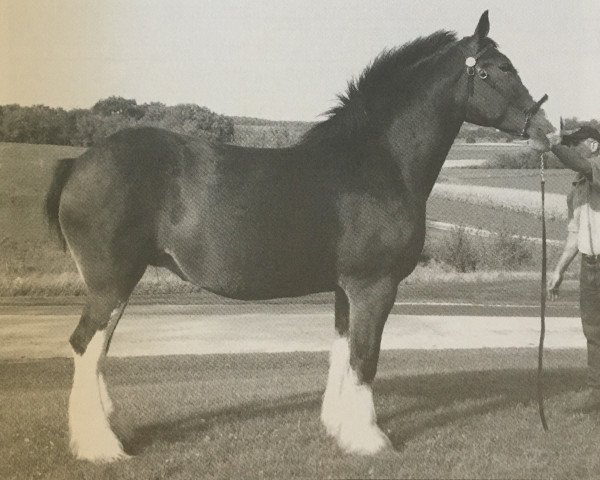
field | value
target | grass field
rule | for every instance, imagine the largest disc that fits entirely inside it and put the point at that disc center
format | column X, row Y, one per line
column 482, row 151
column 557, row 181
column 461, row 204
column 449, row 414
column 491, row 218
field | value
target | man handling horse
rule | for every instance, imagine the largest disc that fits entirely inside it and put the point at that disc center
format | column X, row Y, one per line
column 580, row 152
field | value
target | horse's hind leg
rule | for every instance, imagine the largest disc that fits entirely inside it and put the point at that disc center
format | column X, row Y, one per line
column 348, row 410
column 91, row 437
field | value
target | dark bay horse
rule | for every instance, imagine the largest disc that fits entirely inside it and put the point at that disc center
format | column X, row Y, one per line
column 342, row 211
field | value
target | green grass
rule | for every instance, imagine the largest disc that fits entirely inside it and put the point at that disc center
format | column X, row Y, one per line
column 493, row 219
column 25, row 174
column 449, row 414
column 487, row 151
column 27, row 251
column 557, row 181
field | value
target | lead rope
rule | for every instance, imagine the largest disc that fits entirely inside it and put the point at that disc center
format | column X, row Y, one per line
column 540, row 385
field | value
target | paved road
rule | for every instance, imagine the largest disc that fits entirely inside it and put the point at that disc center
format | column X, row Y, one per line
column 41, row 331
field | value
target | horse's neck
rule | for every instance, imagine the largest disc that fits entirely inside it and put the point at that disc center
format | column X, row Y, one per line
column 421, row 135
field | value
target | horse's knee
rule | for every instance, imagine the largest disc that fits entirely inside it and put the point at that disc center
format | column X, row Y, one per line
column 83, row 333
column 96, row 317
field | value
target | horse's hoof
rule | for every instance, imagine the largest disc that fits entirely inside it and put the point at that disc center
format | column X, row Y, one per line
column 368, row 440
column 107, row 451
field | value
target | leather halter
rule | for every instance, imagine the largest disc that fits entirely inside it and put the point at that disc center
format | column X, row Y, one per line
column 473, row 70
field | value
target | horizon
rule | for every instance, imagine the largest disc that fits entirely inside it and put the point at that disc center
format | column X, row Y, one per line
column 271, row 61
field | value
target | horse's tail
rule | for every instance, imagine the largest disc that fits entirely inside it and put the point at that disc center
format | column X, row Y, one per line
column 62, row 172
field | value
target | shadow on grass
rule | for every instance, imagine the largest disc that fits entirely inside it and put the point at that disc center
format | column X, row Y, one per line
column 437, row 400
column 177, row 430
column 444, row 399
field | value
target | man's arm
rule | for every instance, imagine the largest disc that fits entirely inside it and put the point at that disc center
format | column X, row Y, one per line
column 573, row 160
column 569, row 253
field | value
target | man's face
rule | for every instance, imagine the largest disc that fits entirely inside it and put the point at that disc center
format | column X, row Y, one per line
column 588, row 148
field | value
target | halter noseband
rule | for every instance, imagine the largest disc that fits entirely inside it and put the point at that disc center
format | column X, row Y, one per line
column 473, row 70
column 531, row 112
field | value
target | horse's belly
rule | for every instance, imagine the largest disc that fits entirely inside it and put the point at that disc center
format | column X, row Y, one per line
column 252, row 245
column 252, row 273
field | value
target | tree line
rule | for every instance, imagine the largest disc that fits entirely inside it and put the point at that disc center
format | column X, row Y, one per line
column 84, row 127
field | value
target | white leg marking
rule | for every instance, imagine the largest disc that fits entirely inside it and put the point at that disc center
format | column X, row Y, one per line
column 348, row 412
column 359, row 432
column 91, row 436
column 339, row 362
column 105, row 397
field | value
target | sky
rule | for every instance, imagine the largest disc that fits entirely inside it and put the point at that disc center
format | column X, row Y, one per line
column 276, row 59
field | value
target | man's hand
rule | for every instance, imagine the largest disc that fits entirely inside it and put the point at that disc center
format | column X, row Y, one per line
column 539, row 142
column 554, row 285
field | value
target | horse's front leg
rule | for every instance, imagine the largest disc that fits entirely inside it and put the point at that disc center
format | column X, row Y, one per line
column 348, row 411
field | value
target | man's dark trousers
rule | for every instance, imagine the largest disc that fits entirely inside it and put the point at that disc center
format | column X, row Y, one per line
column 589, row 302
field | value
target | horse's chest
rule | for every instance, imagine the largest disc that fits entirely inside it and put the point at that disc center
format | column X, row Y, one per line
column 381, row 237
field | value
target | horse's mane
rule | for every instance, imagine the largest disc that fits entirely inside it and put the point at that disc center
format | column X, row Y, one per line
column 357, row 112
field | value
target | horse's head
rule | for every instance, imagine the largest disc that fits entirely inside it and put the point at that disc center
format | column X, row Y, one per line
column 492, row 92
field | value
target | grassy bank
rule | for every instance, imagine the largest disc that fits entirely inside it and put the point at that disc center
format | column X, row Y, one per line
column 449, row 414
column 556, row 181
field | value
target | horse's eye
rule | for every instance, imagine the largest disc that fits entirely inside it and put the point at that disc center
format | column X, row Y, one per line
column 507, row 67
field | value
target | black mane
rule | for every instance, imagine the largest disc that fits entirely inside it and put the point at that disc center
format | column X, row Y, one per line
column 358, row 108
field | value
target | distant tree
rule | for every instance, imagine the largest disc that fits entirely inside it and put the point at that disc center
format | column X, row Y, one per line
column 36, row 124
column 262, row 136
column 191, row 119
column 118, row 106
column 90, row 128
column 154, row 112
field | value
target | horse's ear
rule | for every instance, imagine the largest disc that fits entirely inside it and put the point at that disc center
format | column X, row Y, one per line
column 483, row 27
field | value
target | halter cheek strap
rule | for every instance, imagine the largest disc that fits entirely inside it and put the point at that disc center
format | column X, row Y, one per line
column 473, row 68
